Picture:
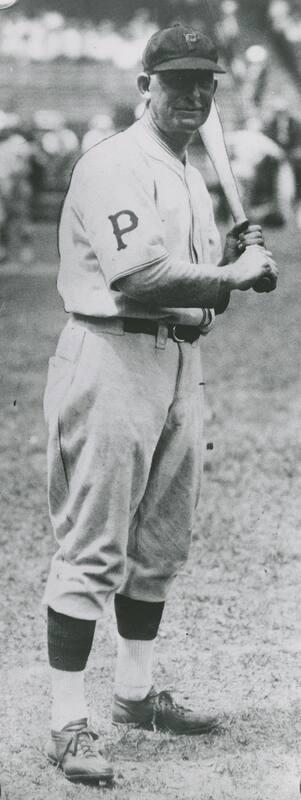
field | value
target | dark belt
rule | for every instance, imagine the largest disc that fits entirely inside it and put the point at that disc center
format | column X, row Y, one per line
column 179, row 333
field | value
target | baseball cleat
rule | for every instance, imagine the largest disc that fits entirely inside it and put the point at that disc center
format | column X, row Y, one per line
column 158, row 711
column 75, row 751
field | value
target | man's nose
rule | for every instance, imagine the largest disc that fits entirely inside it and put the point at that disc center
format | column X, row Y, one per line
column 198, row 92
column 194, row 89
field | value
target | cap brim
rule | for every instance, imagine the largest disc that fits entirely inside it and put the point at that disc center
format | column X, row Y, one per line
column 189, row 63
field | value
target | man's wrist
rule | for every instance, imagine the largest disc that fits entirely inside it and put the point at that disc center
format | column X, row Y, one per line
column 226, row 278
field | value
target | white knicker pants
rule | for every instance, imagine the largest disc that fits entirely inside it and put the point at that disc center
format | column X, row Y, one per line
column 125, row 416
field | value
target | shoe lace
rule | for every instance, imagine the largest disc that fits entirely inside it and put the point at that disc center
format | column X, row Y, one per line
column 83, row 743
column 165, row 700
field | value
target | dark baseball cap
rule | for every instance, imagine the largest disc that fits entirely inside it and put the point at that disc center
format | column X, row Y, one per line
column 180, row 47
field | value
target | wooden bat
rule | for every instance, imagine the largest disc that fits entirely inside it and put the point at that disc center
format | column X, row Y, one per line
column 212, row 134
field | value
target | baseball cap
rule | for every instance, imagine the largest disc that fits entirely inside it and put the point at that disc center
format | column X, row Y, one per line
column 180, row 47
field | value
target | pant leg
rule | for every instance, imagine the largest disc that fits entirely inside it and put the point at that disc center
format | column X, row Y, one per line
column 106, row 402
column 161, row 534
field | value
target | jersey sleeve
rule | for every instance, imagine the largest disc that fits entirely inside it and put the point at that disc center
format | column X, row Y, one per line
column 115, row 199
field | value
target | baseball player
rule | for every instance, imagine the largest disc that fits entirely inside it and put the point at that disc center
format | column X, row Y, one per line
column 141, row 276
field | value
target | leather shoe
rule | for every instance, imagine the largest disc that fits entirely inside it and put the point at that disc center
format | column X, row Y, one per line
column 158, row 711
column 75, row 751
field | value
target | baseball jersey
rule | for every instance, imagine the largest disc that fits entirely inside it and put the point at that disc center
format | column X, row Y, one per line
column 130, row 205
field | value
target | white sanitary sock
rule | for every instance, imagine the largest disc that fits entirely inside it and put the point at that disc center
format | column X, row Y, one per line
column 133, row 678
column 68, row 693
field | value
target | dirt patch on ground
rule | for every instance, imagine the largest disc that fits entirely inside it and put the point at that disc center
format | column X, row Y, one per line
column 230, row 639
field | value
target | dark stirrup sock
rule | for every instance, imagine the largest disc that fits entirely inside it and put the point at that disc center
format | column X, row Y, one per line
column 69, row 641
column 137, row 619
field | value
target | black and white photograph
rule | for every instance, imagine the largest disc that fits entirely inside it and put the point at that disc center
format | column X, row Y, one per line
column 150, row 399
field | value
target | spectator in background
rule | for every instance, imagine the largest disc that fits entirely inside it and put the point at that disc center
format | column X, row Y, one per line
column 4, row 192
column 285, row 21
column 61, row 147
column 256, row 63
column 21, row 197
column 100, row 127
column 15, row 191
column 278, row 13
column 263, row 173
column 284, row 127
column 38, row 165
column 228, row 31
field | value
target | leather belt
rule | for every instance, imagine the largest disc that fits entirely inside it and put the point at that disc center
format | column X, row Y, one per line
column 179, row 333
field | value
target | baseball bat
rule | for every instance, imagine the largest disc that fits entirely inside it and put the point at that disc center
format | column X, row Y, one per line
column 212, row 134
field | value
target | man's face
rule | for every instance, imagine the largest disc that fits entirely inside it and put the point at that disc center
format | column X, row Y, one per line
column 181, row 99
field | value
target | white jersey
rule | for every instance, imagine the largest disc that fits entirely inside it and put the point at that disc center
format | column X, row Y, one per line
column 131, row 204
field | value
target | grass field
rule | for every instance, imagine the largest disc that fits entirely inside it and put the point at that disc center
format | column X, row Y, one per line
column 230, row 639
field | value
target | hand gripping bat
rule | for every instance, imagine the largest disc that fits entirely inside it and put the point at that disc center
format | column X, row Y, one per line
column 213, row 138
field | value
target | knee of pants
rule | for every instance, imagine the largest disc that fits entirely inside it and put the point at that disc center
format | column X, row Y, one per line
column 151, row 568
column 83, row 588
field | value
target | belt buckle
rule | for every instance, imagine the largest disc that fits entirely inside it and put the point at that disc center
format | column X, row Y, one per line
column 174, row 335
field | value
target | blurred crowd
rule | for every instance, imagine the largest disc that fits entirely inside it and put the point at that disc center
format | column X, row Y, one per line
column 285, row 21
column 265, row 148
column 50, row 36
column 37, row 155
column 285, row 18
column 36, row 161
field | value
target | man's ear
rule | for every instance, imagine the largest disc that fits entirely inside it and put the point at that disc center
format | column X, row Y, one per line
column 143, row 83
column 215, row 85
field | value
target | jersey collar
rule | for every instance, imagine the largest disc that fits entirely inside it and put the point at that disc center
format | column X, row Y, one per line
column 151, row 141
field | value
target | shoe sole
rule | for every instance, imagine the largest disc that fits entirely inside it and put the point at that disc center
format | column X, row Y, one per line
column 155, row 728
column 129, row 724
column 104, row 777
column 196, row 732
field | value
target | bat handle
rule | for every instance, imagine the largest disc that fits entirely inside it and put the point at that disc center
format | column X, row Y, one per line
column 263, row 284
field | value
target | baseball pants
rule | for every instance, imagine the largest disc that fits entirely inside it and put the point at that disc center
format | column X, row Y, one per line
column 125, row 418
